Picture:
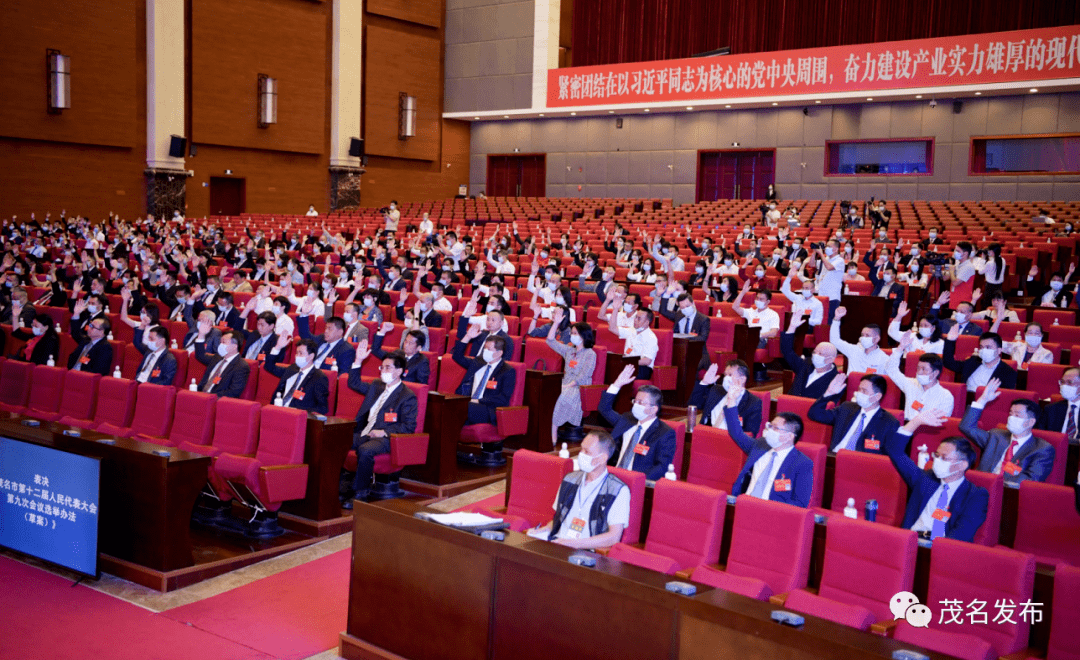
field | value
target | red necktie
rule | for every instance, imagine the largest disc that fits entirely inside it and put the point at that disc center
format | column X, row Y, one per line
column 1009, row 453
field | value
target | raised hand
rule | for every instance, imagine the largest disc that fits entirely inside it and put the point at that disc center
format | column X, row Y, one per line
column 626, row 376
column 403, row 297
column 906, row 339
column 557, row 316
column 943, row 299
column 991, row 391
column 473, row 332
column 712, row 375
column 838, row 385
column 470, row 307
column 840, row 313
column 386, row 327
column 954, row 332
column 282, row 341
column 796, row 321
column 975, row 295
column 1034, row 272
column 930, row 417
column 902, row 310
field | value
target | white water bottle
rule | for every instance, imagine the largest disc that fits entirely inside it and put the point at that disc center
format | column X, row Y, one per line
column 110, row 337
column 333, row 367
column 850, row 511
column 670, row 476
column 51, row 362
column 1055, row 321
column 924, row 457
column 278, row 401
column 173, row 345
column 194, row 387
column 116, row 373
column 564, row 452
column 58, row 328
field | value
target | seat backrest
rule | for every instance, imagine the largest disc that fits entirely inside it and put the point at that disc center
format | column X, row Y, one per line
column 687, row 523
column 892, row 393
column 14, row 376
column 519, row 384
column 771, row 541
column 854, row 576
column 154, row 408
column 450, row 374
column 267, row 383
column 348, row 401
column 236, row 426
column 181, row 356
column 45, row 387
column 967, row 572
column 535, row 484
column 715, row 459
column 193, row 418
column 866, row 476
column 252, row 383
column 1064, row 642
column 115, row 401
column 1043, row 378
column 1061, row 452
column 1047, row 523
column 80, row 395
column 997, row 411
column 818, row 454
column 990, row 531
column 635, row 481
column 281, row 436
column 421, row 392
column 538, row 355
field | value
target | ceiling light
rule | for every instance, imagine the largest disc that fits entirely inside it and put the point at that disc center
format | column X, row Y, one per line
column 611, row 112
column 506, row 116
column 817, row 101
column 1033, row 90
column 978, row 93
column 476, row 118
column 573, row 114
column 646, row 109
column 869, row 98
column 689, row 107
column 918, row 96
column 727, row 106
column 541, row 114
column 775, row 103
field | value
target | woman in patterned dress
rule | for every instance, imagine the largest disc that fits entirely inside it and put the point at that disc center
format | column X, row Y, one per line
column 579, row 362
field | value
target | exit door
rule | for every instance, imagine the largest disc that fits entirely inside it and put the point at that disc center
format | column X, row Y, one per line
column 227, row 195
column 736, row 174
column 517, row 175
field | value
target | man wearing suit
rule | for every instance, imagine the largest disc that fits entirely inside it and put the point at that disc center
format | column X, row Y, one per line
column 1058, row 294
column 774, row 469
column 202, row 332
column 859, row 426
column 226, row 316
column 158, row 365
column 1015, row 454
column 492, row 328
column 812, row 377
column 331, row 350
column 84, row 312
column 417, row 368
column 1064, row 416
column 942, row 502
column 961, row 318
column 301, row 385
column 885, row 286
column 643, row 443
column 355, row 331
column 489, row 383
column 226, row 373
column 94, row 353
column 978, row 370
column 389, row 407
column 687, row 320
column 709, row 397
column 262, row 339
column 424, row 311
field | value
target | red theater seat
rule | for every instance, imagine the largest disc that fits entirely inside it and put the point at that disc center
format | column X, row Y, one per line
column 46, row 384
column 1064, row 640
column 989, row 532
column 405, row 449
column 277, row 472
column 115, row 406
column 192, row 422
column 78, row 399
column 635, row 481
column 868, row 476
column 236, row 432
column 715, row 459
column 154, row 405
column 1048, row 525
column 14, row 393
column 534, row 486
column 510, row 420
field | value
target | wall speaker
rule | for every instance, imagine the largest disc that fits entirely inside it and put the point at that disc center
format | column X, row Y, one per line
column 194, row 150
column 957, row 106
column 356, row 148
column 177, row 145
column 618, row 122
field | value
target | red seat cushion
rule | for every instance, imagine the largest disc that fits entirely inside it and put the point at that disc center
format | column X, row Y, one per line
column 825, row 608
column 747, row 586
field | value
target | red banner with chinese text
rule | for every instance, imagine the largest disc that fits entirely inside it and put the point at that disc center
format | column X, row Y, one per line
column 979, row 59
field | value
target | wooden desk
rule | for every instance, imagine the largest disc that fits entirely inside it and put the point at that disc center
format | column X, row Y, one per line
column 146, row 499
column 612, row 368
column 542, row 389
column 745, row 342
column 443, row 419
column 861, row 312
column 685, row 355
column 325, row 447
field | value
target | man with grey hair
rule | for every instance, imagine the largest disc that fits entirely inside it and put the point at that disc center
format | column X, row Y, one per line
column 644, row 443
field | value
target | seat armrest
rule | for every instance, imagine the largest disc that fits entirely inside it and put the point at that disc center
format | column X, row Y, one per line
column 283, row 482
column 408, row 448
column 778, row 599
column 590, row 397
column 884, row 628
column 684, row 574
column 1021, row 655
column 512, row 420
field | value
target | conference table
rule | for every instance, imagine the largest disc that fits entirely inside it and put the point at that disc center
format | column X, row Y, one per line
column 420, row 590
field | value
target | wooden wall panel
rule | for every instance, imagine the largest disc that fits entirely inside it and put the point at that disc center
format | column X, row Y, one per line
column 276, row 182
column 233, row 41
column 403, row 61
column 424, row 12
column 102, row 39
column 413, row 181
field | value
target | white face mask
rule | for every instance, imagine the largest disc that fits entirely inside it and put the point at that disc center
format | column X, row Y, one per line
column 1017, row 425
column 924, row 379
column 961, row 318
column 92, row 309
column 489, row 355
column 38, row 331
column 302, row 362
column 863, row 400
column 987, row 354
column 699, row 270
column 830, row 250
column 585, row 462
column 222, row 351
column 772, row 437
column 759, row 273
column 942, row 468
column 646, row 267
column 559, row 300
column 819, row 361
column 724, row 287
column 386, row 377
column 1069, row 391
column 914, row 267
column 866, row 342
column 933, row 235
column 627, row 307
column 727, row 383
column 1033, row 340
column 958, row 255
column 888, row 277
column 1056, row 286
column 808, row 294
column 350, row 317
column 760, row 304
column 639, row 412
column 852, row 272
column 576, row 340
column 727, row 262
column 914, row 252
column 688, row 311
column 926, row 333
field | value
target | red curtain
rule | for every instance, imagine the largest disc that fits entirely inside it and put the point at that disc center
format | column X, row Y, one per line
column 615, row 31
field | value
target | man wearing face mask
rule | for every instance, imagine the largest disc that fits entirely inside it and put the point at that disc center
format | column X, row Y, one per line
column 709, row 397
column 961, row 274
column 331, row 350
column 812, row 377
column 300, row 385
column 489, row 383
column 643, row 443
column 355, row 331
column 158, row 365
column 490, row 325
column 797, row 252
column 417, row 367
column 759, row 316
column 1058, row 294
column 226, row 372
column 978, row 370
column 804, row 305
column 389, row 407
column 641, row 341
column 262, row 339
column 93, row 308
column 832, row 277
column 687, row 320
column 942, row 502
column 925, row 390
column 879, row 217
column 226, row 316
column 1015, row 453
column 861, row 425
column 864, row 357
column 1064, row 416
column 885, row 285
column 592, row 507
column 424, row 311
column 961, row 318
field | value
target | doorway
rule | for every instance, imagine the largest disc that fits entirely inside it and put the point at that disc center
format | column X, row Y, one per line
column 517, row 175
column 735, row 174
column 227, row 195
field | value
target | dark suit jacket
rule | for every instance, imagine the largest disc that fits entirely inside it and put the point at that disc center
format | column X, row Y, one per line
column 797, row 467
column 970, row 329
column 164, row 371
column 99, row 359
column 494, row 396
column 1035, row 458
column 964, row 370
column 233, row 379
column 402, row 405
column 699, row 326
column 968, row 505
column 706, row 397
column 213, row 338
column 417, row 370
column 342, row 355
column 896, row 291
column 660, row 440
column 315, row 388
column 232, row 320
column 803, row 368
column 476, row 346
column 1053, row 417
column 48, row 345
column 79, row 323
column 844, row 415
column 253, row 338
column 432, row 319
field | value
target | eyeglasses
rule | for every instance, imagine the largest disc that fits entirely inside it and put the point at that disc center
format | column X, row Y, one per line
column 385, row 368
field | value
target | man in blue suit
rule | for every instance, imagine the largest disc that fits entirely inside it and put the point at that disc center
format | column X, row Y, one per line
column 859, row 426
column 331, row 350
column 489, row 383
column 942, row 502
column 708, row 396
column 158, row 365
column 643, row 443
column 1015, row 454
column 774, row 469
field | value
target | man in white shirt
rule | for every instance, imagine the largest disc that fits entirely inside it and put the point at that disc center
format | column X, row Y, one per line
column 641, row 341
column 759, row 316
column 923, row 391
column 392, row 215
column 311, row 212
column 864, row 357
column 832, row 275
column 804, row 304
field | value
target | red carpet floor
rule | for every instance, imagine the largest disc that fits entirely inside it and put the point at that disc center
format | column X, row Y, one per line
column 42, row 616
column 294, row 614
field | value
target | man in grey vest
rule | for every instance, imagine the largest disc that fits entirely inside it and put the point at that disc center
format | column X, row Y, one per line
column 593, row 505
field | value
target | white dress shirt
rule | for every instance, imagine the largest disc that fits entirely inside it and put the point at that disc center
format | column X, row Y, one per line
column 916, row 398
column 773, row 475
column 832, row 281
column 1074, row 412
column 618, row 514
column 640, row 344
column 802, row 306
column 686, row 323
column 982, row 375
column 850, row 440
column 301, row 375
column 859, row 361
column 628, row 437
column 925, row 523
column 487, row 371
column 151, row 362
column 766, row 319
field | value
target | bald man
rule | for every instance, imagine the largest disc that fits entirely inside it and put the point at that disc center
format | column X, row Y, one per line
column 423, row 310
column 812, row 376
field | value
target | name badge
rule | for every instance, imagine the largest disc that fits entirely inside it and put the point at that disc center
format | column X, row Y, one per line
column 871, row 370
column 328, row 360
column 806, row 311
column 782, row 485
column 261, row 357
column 1011, row 468
column 942, row 515
column 84, row 359
column 155, row 373
column 872, row 444
column 916, row 405
column 217, row 380
column 490, row 385
column 298, row 395
column 223, row 325
column 755, row 320
column 628, row 351
column 892, row 295
column 641, row 449
column 573, row 364
column 389, row 417
column 577, row 526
